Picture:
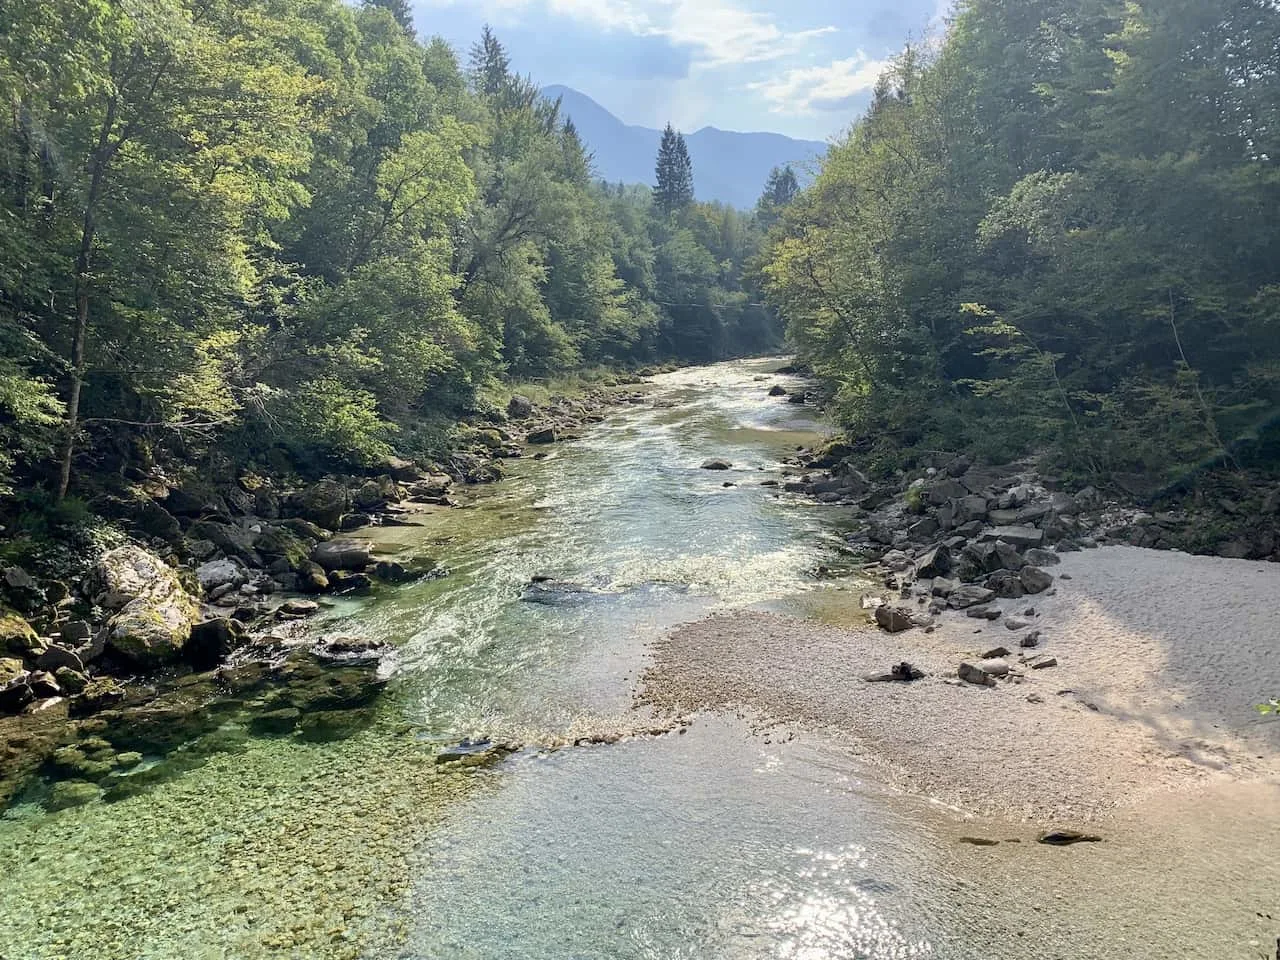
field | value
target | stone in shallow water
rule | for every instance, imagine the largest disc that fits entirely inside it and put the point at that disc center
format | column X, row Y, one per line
column 464, row 750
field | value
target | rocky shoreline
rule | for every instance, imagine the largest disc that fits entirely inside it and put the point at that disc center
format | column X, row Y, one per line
column 200, row 616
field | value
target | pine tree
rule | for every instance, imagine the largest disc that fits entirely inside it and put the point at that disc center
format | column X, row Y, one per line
column 780, row 190
column 674, row 189
column 400, row 9
column 490, row 66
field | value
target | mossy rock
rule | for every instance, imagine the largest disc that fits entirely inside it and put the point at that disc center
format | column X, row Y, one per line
column 71, row 793
column 18, row 637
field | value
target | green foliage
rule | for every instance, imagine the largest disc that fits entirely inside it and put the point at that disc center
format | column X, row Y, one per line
column 289, row 222
column 1057, row 232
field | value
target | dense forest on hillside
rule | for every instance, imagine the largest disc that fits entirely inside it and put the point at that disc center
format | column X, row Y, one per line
column 1058, row 229
column 291, row 226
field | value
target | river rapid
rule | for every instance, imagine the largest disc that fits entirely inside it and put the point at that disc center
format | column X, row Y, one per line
column 716, row 841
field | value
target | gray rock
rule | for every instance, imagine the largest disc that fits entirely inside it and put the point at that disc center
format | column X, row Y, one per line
column 935, row 562
column 343, row 553
column 1015, row 624
column 970, row 595
column 57, row 656
column 984, row 613
column 923, row 529
column 1006, row 584
column 1035, row 580
column 1003, row 518
column 1041, row 661
column 519, row 407
column 719, row 464
column 542, row 435
column 943, row 587
column 970, row 508
column 996, row 667
column 75, row 631
column 1018, row 536
column 322, row 503
column 1031, row 640
column 945, row 491
column 972, row 673
column 1037, row 557
column 216, row 573
column 298, row 608
column 894, row 619
column 154, row 614
column 1064, row 504
column 995, row 654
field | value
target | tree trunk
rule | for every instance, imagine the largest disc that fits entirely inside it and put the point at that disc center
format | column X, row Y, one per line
column 84, row 258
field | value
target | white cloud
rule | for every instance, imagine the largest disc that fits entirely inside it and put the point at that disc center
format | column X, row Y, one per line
column 722, row 33
column 809, row 89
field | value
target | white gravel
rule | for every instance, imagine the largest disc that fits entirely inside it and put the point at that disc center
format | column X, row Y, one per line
column 1162, row 658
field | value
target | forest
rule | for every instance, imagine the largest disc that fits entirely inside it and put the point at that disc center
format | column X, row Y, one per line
column 1057, row 230
column 290, row 227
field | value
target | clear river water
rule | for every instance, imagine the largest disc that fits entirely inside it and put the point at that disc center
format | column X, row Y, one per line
column 714, row 842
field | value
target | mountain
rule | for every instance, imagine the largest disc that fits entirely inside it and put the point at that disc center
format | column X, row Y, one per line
column 727, row 166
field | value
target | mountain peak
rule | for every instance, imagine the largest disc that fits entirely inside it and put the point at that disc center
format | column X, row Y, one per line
column 728, row 166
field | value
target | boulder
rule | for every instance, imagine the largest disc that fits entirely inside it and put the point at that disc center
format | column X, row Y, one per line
column 298, row 608
column 923, row 529
column 1034, row 580
column 717, row 464
column 75, row 631
column 213, row 641
column 11, row 669
column 935, row 562
column 343, row 554
column 542, row 435
column 1006, row 584
column 98, row 694
column 311, row 577
column 945, row 491
column 215, row 573
column 57, row 656
column 153, row 616
column 970, row 596
column 71, row 681
column 519, row 407
column 968, row 509
column 17, row 637
column 943, row 587
column 322, row 503
column 984, row 613
column 996, row 667
column 1041, row 661
column 1018, row 536
column 777, row 390
column 894, row 619
column 231, row 539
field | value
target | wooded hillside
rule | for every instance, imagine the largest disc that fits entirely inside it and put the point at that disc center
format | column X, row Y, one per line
column 1058, row 229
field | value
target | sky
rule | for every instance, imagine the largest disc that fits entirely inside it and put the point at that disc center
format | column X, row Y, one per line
column 804, row 68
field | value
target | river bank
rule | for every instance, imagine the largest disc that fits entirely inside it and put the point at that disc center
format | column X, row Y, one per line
column 1160, row 661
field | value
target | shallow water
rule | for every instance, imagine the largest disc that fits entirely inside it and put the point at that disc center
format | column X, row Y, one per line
column 718, row 842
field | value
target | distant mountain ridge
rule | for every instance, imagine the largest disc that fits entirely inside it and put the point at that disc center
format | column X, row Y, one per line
column 727, row 166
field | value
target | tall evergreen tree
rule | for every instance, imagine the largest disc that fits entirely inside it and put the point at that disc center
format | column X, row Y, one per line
column 674, row 189
column 779, row 192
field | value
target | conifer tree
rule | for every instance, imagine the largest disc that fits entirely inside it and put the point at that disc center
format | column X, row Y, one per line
column 674, row 189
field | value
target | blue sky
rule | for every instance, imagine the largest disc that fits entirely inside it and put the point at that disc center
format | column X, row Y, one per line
column 800, row 67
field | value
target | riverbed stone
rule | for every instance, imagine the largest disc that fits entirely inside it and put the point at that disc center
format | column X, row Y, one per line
column 1021, row 537
column 717, row 463
column 542, row 435
column 322, row 503
column 1038, row 557
column 343, row 553
column 1035, row 580
column 970, row 595
column 215, row 573
column 972, row 673
column 894, row 619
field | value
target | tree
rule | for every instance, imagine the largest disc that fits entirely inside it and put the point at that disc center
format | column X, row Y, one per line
column 402, row 10
column 779, row 192
column 674, row 190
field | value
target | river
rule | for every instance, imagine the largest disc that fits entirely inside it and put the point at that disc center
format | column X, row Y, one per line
column 718, row 841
